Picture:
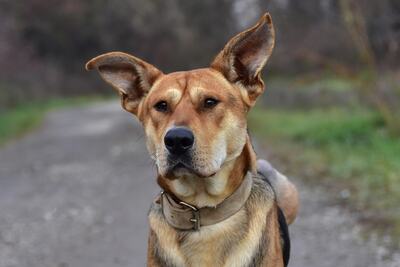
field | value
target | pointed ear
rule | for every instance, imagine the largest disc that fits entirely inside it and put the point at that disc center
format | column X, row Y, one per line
column 245, row 55
column 130, row 76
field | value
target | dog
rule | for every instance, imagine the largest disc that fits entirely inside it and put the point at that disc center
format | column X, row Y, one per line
column 219, row 206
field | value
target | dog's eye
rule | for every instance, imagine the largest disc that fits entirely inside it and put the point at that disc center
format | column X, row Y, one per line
column 161, row 106
column 210, row 102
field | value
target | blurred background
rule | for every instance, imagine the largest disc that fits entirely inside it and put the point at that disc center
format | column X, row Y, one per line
column 331, row 112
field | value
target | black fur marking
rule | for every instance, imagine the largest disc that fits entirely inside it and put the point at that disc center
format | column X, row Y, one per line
column 265, row 179
column 284, row 230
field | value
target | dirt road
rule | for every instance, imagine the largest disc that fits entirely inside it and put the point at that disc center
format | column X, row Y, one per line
column 75, row 193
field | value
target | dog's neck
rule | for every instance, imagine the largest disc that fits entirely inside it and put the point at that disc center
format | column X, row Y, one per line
column 210, row 191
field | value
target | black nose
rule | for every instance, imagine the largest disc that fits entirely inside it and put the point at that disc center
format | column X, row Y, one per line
column 178, row 140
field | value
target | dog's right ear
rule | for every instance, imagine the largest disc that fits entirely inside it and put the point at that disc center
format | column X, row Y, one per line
column 130, row 76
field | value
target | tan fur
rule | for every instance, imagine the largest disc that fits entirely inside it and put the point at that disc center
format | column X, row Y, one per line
column 286, row 193
column 221, row 155
column 287, row 198
column 216, row 245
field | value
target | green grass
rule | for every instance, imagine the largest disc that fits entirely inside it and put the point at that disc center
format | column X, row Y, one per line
column 18, row 120
column 315, row 81
column 350, row 148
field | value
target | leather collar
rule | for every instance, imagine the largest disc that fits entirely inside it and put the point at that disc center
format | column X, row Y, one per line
column 184, row 216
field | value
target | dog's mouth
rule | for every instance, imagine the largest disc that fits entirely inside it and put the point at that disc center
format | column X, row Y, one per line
column 181, row 168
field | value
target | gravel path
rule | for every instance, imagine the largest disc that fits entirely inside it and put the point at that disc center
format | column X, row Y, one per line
column 76, row 192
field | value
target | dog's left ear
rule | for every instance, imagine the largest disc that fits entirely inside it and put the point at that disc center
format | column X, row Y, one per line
column 244, row 56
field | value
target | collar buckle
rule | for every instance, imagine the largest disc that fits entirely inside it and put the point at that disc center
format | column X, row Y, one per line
column 196, row 215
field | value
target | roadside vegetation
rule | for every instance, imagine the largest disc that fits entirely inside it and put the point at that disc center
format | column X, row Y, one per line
column 16, row 121
column 348, row 149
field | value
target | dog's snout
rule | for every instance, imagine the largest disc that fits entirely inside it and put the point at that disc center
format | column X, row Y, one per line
column 179, row 140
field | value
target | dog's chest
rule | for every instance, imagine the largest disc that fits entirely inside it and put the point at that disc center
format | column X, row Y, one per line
column 233, row 242
column 212, row 245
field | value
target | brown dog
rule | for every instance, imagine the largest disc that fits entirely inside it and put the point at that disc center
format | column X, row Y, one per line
column 215, row 209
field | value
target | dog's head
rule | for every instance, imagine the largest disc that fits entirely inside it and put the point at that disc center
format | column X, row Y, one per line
column 194, row 121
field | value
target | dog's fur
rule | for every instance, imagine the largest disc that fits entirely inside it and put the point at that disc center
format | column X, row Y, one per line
column 221, row 156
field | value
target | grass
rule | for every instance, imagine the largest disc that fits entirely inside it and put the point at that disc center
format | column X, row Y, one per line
column 310, row 82
column 21, row 119
column 348, row 150
column 329, row 82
